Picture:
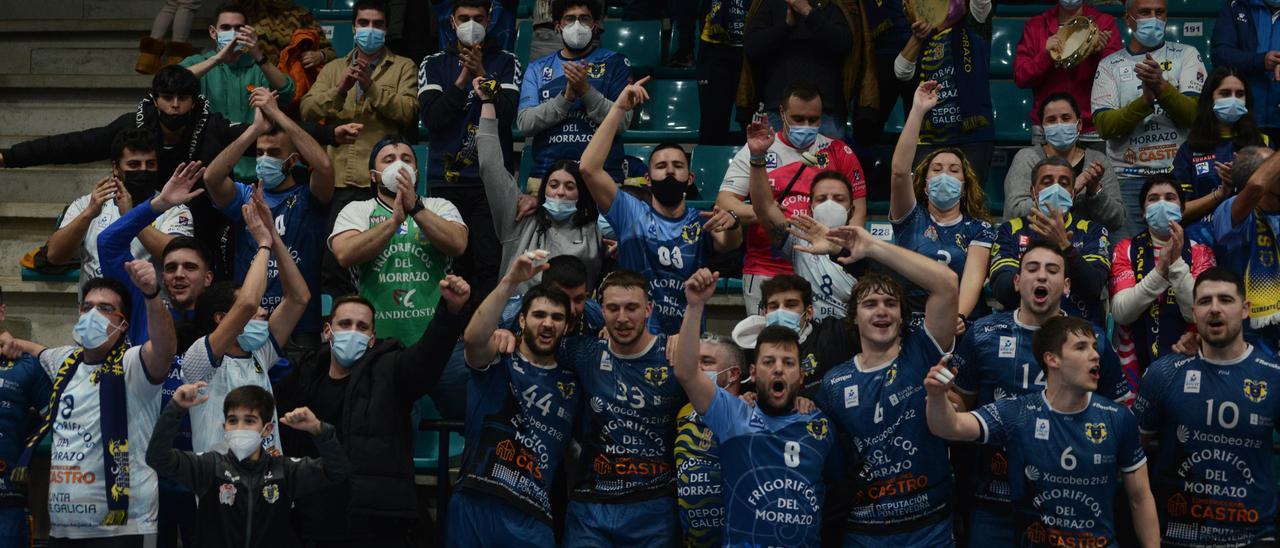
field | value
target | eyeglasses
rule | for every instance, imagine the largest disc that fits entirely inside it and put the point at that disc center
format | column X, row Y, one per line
column 585, row 19
column 104, row 308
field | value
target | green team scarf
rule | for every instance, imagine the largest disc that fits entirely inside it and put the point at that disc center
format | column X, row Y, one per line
column 113, row 423
column 403, row 281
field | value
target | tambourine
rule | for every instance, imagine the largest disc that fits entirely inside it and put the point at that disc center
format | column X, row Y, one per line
column 1079, row 39
column 939, row 14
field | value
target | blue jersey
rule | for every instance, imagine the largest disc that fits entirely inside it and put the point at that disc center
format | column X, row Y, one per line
column 995, row 363
column 664, row 250
column 773, row 470
column 698, row 487
column 905, row 480
column 1068, row 466
column 947, row 244
column 300, row 220
column 451, row 150
column 24, row 390
column 608, row 72
column 1087, row 237
column 520, row 418
column 630, row 431
column 1250, row 249
column 1213, row 477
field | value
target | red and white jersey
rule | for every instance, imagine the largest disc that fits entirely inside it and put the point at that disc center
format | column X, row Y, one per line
column 783, row 161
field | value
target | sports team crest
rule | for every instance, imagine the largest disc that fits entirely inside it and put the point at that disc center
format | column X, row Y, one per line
column 595, row 70
column 227, row 494
column 1256, row 391
column 271, row 493
column 823, row 159
column 817, row 428
column 691, row 233
column 566, row 389
column 808, row 365
column 891, row 375
column 1095, row 432
column 656, row 375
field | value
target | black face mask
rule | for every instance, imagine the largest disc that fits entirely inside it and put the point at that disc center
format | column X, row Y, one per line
column 668, row 191
column 140, row 185
column 174, row 122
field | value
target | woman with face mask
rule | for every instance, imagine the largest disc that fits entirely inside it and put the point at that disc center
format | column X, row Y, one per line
column 1223, row 126
column 940, row 211
column 564, row 222
column 1152, row 278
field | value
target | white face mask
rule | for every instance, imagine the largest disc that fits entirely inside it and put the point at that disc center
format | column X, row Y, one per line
column 243, row 443
column 390, row 173
column 470, row 33
column 576, row 36
column 831, row 213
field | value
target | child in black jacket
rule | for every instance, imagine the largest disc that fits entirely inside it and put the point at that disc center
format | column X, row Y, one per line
column 245, row 493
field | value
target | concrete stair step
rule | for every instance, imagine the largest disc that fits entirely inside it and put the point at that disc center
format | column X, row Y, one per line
column 31, row 210
column 111, row 76
column 49, row 184
column 92, row 10
column 49, row 118
column 50, row 307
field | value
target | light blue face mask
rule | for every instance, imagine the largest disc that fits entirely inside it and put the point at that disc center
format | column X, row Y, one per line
column 254, row 335
column 1149, row 31
column 270, row 171
column 606, row 229
column 944, row 191
column 1229, row 109
column 1071, row 5
column 559, row 210
column 225, row 37
column 92, row 329
column 802, row 137
column 712, row 375
column 1061, row 136
column 1161, row 214
column 785, row 318
column 1055, row 196
column 369, row 39
column 349, row 347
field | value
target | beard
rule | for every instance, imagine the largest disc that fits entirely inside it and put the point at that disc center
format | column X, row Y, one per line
column 531, row 341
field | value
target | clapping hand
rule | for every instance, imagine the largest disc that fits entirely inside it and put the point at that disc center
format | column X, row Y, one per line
column 1090, row 179
column 1051, row 227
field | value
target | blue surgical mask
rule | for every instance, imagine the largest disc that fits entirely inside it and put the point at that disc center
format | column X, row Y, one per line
column 369, row 39
column 92, row 329
column 1055, row 196
column 1149, row 31
column 785, row 318
column 712, row 375
column 944, row 191
column 1061, row 136
column 1070, row 5
column 606, row 229
column 254, row 335
column 1229, row 109
column 225, row 37
column 270, row 171
column 802, row 137
column 559, row 210
column 349, row 347
column 1161, row 214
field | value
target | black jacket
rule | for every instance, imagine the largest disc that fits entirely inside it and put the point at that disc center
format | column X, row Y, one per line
column 374, row 425
column 244, row 503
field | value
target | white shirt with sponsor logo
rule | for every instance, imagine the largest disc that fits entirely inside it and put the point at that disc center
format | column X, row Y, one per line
column 355, row 216
column 231, row 373
column 77, row 478
column 177, row 221
column 1151, row 147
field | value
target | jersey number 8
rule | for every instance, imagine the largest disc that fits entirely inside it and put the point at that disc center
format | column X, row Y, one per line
column 791, row 454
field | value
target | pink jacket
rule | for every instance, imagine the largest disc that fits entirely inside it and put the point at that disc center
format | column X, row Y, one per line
column 1033, row 68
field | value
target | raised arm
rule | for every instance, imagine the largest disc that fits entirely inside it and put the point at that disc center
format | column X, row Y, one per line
column 902, row 197
column 602, row 186
column 162, row 343
column 249, row 296
column 419, row 366
column 63, row 246
column 943, row 419
column 766, row 211
column 1266, row 180
column 500, row 188
column 182, row 467
column 217, row 176
column 293, row 303
column 701, row 391
column 938, row 280
column 478, row 347
column 317, row 159
column 309, row 475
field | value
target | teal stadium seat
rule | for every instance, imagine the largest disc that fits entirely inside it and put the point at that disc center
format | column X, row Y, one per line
column 640, row 41
column 71, row 276
column 326, row 304
column 1012, row 107
column 421, row 152
column 525, row 9
column 1195, row 8
column 671, row 114
column 1005, row 35
column 312, row 5
column 524, row 41
column 340, row 35
column 426, row 445
column 709, row 165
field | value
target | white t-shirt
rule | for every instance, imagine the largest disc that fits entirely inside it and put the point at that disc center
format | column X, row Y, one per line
column 831, row 284
column 355, row 215
column 77, row 480
column 176, row 221
column 231, row 373
column 1150, row 148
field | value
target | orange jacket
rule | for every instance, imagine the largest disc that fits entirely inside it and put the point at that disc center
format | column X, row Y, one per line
column 304, row 40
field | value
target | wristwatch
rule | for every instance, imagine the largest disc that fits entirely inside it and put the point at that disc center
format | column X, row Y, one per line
column 262, row 61
column 736, row 221
column 417, row 206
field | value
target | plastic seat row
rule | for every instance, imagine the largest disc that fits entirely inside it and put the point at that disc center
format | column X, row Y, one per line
column 1007, row 32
